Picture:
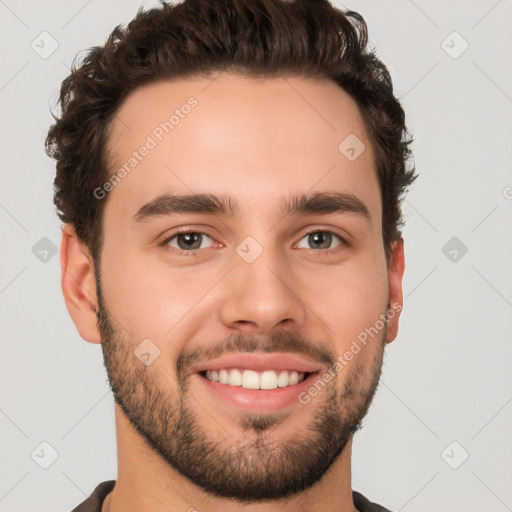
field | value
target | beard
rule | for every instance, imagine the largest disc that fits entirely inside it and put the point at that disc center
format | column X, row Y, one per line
column 256, row 465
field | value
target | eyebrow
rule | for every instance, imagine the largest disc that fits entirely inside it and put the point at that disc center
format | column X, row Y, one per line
column 318, row 203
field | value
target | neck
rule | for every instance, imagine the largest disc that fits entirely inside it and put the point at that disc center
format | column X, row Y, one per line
column 146, row 482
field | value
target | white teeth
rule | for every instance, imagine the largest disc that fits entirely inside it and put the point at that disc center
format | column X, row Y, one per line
column 235, row 377
column 223, row 376
column 268, row 380
column 283, row 379
column 249, row 379
column 294, row 378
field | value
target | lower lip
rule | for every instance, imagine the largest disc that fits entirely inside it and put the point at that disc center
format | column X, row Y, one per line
column 257, row 400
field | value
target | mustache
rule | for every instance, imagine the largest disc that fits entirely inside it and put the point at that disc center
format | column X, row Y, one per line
column 279, row 341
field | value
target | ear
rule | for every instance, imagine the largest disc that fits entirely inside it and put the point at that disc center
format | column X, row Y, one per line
column 78, row 284
column 395, row 274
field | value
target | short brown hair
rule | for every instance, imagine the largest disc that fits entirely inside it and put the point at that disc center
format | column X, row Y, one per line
column 259, row 38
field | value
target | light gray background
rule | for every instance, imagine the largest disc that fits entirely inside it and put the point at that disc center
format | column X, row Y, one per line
column 448, row 375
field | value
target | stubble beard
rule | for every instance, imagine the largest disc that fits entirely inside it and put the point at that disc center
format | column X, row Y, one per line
column 256, row 465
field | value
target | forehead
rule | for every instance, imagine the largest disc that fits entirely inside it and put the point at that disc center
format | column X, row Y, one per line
column 234, row 135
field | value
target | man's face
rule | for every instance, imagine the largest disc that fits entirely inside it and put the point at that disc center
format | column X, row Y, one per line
column 276, row 291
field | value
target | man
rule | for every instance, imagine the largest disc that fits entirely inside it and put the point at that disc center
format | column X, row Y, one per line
column 229, row 176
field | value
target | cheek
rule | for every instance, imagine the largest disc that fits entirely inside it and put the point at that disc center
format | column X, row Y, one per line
column 348, row 298
column 148, row 297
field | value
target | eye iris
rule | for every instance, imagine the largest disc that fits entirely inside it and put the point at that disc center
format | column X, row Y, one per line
column 322, row 238
column 190, row 240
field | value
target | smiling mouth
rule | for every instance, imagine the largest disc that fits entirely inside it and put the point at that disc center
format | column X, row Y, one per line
column 250, row 379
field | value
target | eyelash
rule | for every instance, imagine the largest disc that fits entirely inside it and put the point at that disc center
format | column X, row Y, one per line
column 194, row 252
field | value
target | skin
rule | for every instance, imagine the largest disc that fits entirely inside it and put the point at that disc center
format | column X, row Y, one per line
column 259, row 141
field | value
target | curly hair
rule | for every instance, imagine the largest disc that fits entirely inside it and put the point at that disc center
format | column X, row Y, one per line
column 258, row 38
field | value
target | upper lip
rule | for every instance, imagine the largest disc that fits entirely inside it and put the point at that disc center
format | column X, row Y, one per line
column 257, row 362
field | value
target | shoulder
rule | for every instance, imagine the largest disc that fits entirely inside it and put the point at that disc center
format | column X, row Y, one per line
column 363, row 504
column 94, row 502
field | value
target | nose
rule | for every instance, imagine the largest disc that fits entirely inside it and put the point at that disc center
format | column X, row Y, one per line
column 262, row 296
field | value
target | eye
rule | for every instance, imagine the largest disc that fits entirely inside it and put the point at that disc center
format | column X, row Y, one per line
column 187, row 241
column 321, row 240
